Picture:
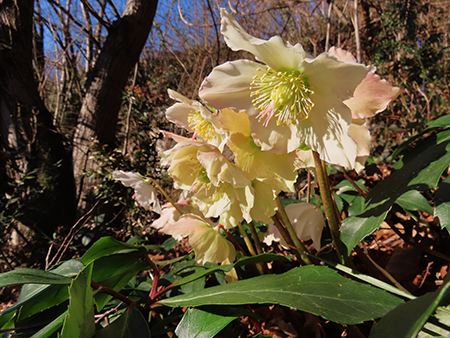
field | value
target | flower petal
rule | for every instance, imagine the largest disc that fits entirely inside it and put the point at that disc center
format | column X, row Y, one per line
column 228, row 85
column 342, row 54
column 273, row 52
column 371, row 96
column 359, row 132
column 326, row 130
column 145, row 193
column 307, row 220
column 326, row 71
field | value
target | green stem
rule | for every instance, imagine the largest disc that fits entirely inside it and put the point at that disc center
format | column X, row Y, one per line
column 165, row 195
column 284, row 233
column 247, row 240
column 287, row 223
column 256, row 240
column 328, row 204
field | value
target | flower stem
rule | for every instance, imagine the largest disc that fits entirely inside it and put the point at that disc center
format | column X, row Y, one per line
column 247, row 240
column 328, row 204
column 256, row 240
column 284, row 233
column 177, row 208
column 287, row 223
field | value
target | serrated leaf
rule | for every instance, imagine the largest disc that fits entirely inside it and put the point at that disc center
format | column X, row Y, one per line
column 201, row 324
column 315, row 289
column 409, row 318
column 50, row 328
column 419, row 172
column 31, row 276
column 130, row 324
column 414, row 201
column 442, row 203
column 79, row 321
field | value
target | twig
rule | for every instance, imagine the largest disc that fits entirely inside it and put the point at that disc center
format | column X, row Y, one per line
column 357, row 39
column 358, row 189
column 73, row 231
column 100, row 317
column 130, row 106
column 115, row 294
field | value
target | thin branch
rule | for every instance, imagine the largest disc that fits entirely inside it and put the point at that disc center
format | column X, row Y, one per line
column 95, row 14
column 187, row 22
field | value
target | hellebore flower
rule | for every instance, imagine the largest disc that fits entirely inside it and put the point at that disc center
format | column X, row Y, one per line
column 219, row 187
column 194, row 117
column 292, row 98
column 371, row 97
column 308, row 223
column 208, row 244
column 170, row 214
column 145, row 193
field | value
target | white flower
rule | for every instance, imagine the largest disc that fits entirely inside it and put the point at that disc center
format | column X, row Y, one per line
column 145, row 193
column 194, row 117
column 292, row 99
column 208, row 244
column 307, row 221
column 371, row 97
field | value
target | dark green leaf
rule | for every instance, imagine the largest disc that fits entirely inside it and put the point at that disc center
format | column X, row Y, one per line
column 414, row 201
column 315, row 289
column 106, row 246
column 131, row 324
column 114, row 272
column 31, row 276
column 51, row 328
column 201, row 324
column 38, row 291
column 54, row 295
column 406, row 320
column 79, row 321
column 266, row 257
column 420, row 171
column 442, row 203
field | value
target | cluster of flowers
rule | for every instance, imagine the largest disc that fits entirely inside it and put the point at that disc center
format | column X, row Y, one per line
column 269, row 115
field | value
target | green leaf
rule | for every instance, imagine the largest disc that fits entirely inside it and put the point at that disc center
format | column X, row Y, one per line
column 37, row 292
column 197, row 323
column 266, row 257
column 79, row 321
column 51, row 328
column 442, row 122
column 315, row 289
column 442, row 203
column 419, row 171
column 406, row 320
column 414, row 201
column 368, row 279
column 355, row 228
column 438, row 325
column 130, row 324
column 114, row 272
column 54, row 295
column 31, row 276
column 106, row 246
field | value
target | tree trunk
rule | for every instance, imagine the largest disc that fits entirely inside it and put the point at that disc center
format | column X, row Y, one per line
column 105, row 83
column 29, row 137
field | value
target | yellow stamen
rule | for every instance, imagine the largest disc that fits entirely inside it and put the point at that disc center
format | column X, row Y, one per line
column 284, row 95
